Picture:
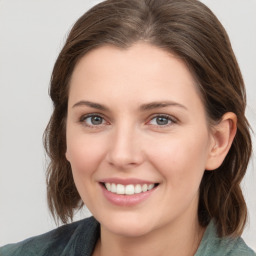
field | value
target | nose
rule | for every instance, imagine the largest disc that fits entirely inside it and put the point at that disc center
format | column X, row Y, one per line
column 125, row 151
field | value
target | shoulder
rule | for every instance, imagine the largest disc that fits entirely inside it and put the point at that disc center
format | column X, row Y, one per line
column 60, row 241
column 235, row 247
column 212, row 245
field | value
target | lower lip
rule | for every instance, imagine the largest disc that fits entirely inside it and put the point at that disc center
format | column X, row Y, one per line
column 126, row 200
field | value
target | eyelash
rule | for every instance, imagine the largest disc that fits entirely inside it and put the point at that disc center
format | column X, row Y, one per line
column 83, row 120
column 171, row 120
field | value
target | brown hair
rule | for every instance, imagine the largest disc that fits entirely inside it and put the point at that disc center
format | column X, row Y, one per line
column 191, row 31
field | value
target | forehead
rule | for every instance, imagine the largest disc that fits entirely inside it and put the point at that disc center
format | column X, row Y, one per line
column 139, row 58
column 141, row 72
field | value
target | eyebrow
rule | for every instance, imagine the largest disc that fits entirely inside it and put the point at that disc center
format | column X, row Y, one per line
column 143, row 107
column 91, row 105
column 160, row 104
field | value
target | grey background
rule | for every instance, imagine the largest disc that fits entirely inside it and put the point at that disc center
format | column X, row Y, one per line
column 31, row 36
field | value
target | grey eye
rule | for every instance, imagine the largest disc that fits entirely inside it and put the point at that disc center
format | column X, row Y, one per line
column 160, row 120
column 94, row 120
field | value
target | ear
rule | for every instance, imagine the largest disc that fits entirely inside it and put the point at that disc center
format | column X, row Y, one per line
column 67, row 156
column 223, row 135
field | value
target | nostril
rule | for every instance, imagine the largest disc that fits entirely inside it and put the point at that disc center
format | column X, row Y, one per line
column 124, row 153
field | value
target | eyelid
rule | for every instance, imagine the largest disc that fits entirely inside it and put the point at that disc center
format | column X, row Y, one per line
column 83, row 118
column 167, row 116
column 171, row 118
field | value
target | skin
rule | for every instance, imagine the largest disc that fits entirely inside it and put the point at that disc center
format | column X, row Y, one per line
column 128, row 141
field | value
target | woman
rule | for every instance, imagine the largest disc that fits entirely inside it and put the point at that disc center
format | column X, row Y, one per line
column 149, row 132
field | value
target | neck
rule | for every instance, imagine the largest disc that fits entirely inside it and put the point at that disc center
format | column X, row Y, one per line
column 181, row 238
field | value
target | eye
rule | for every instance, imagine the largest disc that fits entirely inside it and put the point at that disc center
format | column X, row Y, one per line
column 161, row 120
column 93, row 120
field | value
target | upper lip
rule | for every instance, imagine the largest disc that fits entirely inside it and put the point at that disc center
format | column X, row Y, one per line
column 133, row 181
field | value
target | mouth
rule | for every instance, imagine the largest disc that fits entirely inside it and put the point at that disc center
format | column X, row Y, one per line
column 130, row 189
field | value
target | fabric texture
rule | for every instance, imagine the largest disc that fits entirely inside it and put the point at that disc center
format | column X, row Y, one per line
column 212, row 245
column 79, row 239
column 75, row 239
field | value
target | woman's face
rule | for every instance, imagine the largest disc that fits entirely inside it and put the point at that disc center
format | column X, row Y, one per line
column 137, row 138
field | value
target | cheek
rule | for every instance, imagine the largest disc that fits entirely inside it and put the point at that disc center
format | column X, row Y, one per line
column 181, row 159
column 84, row 154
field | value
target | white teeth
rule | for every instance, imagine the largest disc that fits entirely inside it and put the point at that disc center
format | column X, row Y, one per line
column 108, row 186
column 113, row 188
column 120, row 189
column 150, row 186
column 128, row 189
column 144, row 188
column 138, row 189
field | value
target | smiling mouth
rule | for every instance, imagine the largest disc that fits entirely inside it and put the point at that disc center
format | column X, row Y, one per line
column 130, row 189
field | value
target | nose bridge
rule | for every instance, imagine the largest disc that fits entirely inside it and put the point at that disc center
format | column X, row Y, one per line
column 125, row 150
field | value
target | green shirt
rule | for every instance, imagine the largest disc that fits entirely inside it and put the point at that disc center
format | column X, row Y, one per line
column 79, row 239
column 212, row 245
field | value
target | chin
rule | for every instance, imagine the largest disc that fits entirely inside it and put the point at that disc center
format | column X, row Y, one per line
column 127, row 226
column 129, row 231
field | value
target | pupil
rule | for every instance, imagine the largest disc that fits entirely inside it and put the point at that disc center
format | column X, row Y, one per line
column 162, row 121
column 96, row 120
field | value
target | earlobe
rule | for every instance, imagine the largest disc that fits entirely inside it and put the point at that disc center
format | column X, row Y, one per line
column 67, row 155
column 223, row 135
